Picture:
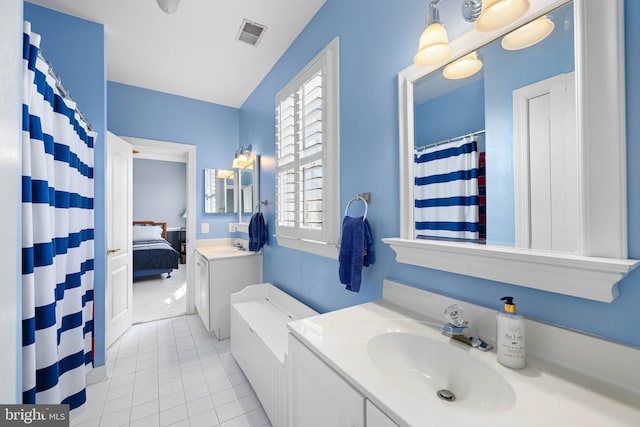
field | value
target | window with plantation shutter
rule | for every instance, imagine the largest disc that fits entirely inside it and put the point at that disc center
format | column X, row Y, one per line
column 307, row 157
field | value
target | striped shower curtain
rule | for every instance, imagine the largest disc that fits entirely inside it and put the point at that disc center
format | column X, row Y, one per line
column 446, row 191
column 57, row 239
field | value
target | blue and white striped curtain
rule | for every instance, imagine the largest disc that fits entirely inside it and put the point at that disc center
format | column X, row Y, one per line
column 57, row 239
column 446, row 191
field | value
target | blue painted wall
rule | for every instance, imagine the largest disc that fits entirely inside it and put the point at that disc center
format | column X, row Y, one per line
column 369, row 63
column 159, row 191
column 434, row 122
column 76, row 49
column 212, row 128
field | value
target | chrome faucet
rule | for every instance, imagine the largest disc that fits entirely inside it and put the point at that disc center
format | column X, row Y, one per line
column 455, row 329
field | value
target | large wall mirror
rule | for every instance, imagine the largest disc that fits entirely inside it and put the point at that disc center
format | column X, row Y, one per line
column 220, row 191
column 545, row 126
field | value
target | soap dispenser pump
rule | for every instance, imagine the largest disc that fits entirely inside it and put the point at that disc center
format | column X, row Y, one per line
column 510, row 336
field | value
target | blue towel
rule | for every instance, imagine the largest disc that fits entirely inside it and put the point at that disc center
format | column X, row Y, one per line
column 257, row 232
column 356, row 250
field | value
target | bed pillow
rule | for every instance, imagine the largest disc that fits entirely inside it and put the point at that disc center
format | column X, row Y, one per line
column 147, row 232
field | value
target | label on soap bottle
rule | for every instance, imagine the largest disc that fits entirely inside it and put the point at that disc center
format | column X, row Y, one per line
column 511, row 344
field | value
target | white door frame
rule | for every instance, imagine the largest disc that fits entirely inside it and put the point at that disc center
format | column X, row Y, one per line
column 152, row 149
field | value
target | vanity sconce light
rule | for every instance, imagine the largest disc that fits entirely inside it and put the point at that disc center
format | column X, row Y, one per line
column 242, row 157
column 488, row 15
column 464, row 67
column 434, row 43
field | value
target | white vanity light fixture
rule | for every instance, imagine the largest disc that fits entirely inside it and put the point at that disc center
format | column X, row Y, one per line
column 464, row 67
column 242, row 157
column 496, row 14
column 434, row 43
column 168, row 6
column 529, row 34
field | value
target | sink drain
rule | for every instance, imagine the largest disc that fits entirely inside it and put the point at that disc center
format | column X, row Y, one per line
column 445, row 394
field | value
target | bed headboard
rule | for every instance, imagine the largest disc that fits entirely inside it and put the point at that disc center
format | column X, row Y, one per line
column 161, row 224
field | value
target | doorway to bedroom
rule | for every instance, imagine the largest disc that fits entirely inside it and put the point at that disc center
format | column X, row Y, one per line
column 159, row 197
column 160, row 193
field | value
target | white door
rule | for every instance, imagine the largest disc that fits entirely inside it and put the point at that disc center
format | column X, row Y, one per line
column 546, row 145
column 119, row 290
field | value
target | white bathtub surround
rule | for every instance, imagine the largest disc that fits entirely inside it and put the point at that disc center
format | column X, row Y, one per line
column 259, row 317
column 570, row 378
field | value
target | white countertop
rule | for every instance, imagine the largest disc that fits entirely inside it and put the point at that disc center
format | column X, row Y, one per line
column 545, row 395
column 218, row 252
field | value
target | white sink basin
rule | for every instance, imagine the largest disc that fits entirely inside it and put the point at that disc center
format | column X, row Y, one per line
column 427, row 366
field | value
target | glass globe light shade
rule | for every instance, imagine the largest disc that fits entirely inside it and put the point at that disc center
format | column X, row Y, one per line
column 500, row 13
column 433, row 47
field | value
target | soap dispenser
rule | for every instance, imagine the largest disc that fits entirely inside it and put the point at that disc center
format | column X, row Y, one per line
column 510, row 336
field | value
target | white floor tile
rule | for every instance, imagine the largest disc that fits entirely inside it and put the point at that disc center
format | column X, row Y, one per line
column 197, row 392
column 173, row 415
column 145, row 396
column 170, row 388
column 257, row 417
column 172, row 400
column 117, row 405
column 229, row 411
column 240, row 421
column 145, row 410
column 116, row 419
column 249, row 403
column 204, row 419
column 199, row 406
column 184, row 377
column 219, row 385
column 150, row 421
column 223, row 397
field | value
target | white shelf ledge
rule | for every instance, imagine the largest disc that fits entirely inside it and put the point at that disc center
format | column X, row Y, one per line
column 579, row 276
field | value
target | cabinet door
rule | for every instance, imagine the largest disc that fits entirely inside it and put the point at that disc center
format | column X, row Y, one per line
column 377, row 418
column 202, row 289
column 318, row 396
column 226, row 276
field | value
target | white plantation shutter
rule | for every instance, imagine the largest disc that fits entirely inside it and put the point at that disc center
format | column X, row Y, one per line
column 306, row 154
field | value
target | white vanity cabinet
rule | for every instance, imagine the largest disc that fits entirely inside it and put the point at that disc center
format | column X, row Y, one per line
column 319, row 397
column 221, row 271
column 377, row 418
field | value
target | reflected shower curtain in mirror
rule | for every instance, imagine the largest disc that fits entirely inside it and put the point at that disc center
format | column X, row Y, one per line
column 57, row 239
column 446, row 191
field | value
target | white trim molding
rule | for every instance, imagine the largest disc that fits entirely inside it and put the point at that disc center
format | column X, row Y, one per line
column 579, row 276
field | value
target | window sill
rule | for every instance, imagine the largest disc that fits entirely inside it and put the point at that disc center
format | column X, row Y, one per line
column 312, row 247
column 579, row 276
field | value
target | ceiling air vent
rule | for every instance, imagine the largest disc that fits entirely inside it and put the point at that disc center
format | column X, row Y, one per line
column 250, row 32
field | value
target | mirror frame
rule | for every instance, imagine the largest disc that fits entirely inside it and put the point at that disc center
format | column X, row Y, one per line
column 600, row 95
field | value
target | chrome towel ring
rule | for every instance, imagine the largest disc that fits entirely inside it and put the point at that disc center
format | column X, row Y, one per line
column 364, row 199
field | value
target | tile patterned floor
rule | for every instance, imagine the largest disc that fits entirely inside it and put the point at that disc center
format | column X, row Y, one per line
column 172, row 372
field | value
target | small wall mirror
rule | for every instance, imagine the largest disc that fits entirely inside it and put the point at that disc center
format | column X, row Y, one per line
column 249, row 188
column 220, row 191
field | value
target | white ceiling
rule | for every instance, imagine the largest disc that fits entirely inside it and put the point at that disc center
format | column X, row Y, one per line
column 193, row 52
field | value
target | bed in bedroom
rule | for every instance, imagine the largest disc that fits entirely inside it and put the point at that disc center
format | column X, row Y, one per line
column 152, row 253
